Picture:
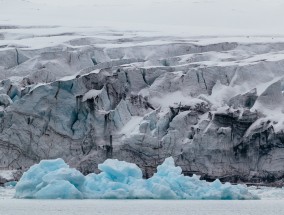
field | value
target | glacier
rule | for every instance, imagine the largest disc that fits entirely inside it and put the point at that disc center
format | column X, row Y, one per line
column 215, row 106
column 76, row 89
column 54, row 179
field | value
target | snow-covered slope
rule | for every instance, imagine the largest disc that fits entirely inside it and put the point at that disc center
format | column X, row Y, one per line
column 84, row 88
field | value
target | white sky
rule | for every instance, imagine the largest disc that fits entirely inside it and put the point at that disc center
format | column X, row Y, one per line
column 244, row 3
column 216, row 16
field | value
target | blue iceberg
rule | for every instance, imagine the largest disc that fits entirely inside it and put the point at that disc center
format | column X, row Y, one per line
column 54, row 179
column 10, row 184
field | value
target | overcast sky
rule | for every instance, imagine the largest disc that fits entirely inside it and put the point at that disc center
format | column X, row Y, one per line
column 240, row 16
column 119, row 2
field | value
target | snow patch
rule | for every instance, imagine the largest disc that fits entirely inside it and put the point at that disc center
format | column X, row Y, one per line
column 91, row 94
column 7, row 174
column 173, row 99
column 132, row 126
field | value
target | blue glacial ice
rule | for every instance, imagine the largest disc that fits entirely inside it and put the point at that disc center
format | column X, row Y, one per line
column 54, row 179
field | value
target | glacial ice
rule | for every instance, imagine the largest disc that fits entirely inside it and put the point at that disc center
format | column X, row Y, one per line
column 54, row 179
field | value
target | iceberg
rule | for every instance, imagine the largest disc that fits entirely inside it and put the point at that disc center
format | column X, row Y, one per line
column 54, row 179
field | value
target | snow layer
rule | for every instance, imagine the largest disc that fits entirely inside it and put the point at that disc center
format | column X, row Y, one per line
column 52, row 179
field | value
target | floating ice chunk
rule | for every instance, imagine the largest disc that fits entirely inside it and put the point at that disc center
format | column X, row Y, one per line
column 120, row 170
column 268, row 193
column 58, row 189
column 65, row 174
column 10, row 184
column 43, row 180
column 117, row 180
column 121, row 180
column 168, row 168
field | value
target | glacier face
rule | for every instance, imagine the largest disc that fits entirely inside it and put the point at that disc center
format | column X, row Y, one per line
column 213, row 104
column 53, row 179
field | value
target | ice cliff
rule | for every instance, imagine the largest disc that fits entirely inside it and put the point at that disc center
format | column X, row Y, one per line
column 214, row 104
column 53, row 179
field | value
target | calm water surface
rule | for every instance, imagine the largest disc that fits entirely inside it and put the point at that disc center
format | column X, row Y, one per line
column 140, row 207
